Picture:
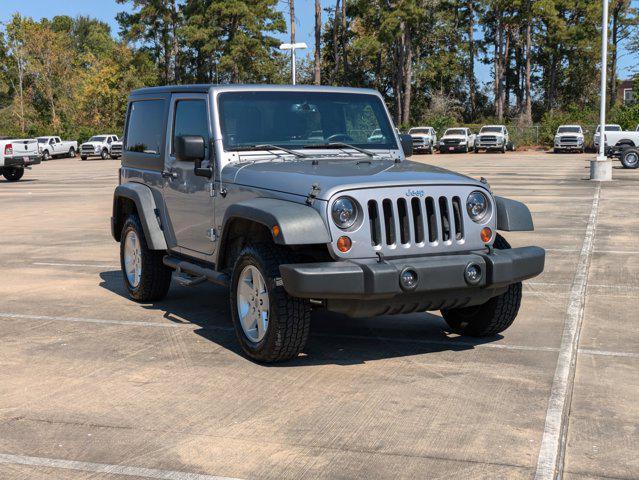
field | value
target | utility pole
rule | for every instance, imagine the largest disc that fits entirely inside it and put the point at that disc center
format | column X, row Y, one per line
column 601, row 167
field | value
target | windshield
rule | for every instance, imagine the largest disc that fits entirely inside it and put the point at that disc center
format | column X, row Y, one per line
column 97, row 139
column 569, row 130
column 610, row 128
column 454, row 131
column 43, row 139
column 490, row 130
column 299, row 119
column 419, row 130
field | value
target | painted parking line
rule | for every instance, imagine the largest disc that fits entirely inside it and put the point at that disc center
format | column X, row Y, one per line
column 107, row 468
column 453, row 342
column 83, row 265
column 551, row 452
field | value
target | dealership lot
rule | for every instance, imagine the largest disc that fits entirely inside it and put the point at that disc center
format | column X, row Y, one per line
column 93, row 385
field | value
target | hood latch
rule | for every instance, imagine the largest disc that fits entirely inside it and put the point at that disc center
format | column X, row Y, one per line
column 312, row 195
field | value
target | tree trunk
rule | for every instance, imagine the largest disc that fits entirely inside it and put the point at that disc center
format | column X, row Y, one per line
column 291, row 6
column 471, row 57
column 318, row 40
column 343, row 38
column 528, row 111
column 504, row 92
column 407, row 76
column 336, row 41
column 175, row 46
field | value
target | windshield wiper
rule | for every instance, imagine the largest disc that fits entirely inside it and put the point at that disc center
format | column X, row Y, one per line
column 269, row 148
column 341, row 145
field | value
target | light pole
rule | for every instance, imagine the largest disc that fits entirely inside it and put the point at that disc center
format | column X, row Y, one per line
column 292, row 47
column 601, row 167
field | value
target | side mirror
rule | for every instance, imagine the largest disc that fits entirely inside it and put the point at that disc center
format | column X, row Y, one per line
column 407, row 144
column 191, row 148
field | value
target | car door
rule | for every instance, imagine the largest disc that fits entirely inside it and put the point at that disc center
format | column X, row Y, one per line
column 188, row 197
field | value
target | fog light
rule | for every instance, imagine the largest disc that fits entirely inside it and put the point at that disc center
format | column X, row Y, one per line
column 344, row 244
column 472, row 274
column 486, row 234
column 408, row 279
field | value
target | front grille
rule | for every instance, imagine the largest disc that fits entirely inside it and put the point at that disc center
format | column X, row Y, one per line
column 571, row 140
column 452, row 141
column 419, row 141
column 87, row 149
column 415, row 221
column 487, row 139
column 116, row 149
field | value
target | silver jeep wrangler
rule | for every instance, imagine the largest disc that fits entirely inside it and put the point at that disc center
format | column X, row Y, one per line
column 284, row 195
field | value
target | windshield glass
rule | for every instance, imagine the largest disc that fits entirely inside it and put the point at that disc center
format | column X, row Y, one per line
column 610, row 128
column 419, row 130
column 455, row 131
column 43, row 139
column 97, row 139
column 569, row 130
column 299, row 119
column 490, row 130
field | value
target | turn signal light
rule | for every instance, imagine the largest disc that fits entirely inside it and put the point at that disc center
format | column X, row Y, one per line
column 275, row 230
column 344, row 244
column 486, row 234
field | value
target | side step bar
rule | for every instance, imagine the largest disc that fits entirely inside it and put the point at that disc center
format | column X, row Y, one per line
column 195, row 273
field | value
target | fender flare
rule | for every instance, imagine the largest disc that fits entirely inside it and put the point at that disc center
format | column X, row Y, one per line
column 142, row 197
column 298, row 224
column 513, row 216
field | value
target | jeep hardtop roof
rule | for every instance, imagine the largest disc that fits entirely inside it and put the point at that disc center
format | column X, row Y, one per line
column 205, row 88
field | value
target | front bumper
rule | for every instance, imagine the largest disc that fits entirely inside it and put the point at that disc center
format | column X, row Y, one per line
column 489, row 145
column 369, row 287
column 452, row 147
column 21, row 161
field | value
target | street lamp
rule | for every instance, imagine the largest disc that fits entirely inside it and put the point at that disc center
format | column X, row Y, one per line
column 601, row 167
column 292, row 47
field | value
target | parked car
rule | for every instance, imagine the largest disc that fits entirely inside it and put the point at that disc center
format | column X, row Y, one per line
column 116, row 149
column 289, row 224
column 457, row 140
column 624, row 145
column 569, row 138
column 424, row 139
column 493, row 137
column 16, row 155
column 98, row 145
column 609, row 128
column 51, row 147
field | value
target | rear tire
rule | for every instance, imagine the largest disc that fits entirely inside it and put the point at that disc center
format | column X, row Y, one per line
column 12, row 174
column 72, row 152
column 630, row 158
column 492, row 317
column 145, row 276
column 270, row 325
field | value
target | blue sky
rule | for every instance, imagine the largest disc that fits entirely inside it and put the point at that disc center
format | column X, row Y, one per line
column 305, row 11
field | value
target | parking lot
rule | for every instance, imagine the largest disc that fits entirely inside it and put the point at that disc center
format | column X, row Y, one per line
column 93, row 385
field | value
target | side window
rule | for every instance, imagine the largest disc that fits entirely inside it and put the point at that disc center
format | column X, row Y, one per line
column 110, row 140
column 144, row 129
column 51, row 142
column 190, row 118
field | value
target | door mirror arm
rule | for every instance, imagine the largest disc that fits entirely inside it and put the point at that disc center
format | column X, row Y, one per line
column 201, row 171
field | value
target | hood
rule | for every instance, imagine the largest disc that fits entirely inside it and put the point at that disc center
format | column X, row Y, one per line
column 421, row 135
column 568, row 134
column 91, row 144
column 491, row 134
column 297, row 176
column 453, row 137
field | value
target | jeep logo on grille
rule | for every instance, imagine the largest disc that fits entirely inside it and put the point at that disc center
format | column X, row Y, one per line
column 415, row 193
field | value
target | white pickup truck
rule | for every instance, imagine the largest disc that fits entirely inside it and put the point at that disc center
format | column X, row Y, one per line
column 51, row 147
column 457, row 140
column 493, row 137
column 16, row 155
column 569, row 138
column 424, row 138
column 100, row 145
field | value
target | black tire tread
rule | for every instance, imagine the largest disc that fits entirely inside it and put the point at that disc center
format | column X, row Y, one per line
column 494, row 316
column 290, row 316
column 156, row 277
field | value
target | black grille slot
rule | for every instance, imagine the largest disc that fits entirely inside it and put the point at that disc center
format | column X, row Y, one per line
column 376, row 229
column 389, row 221
column 404, row 228
column 457, row 215
column 431, row 216
column 445, row 217
column 418, row 219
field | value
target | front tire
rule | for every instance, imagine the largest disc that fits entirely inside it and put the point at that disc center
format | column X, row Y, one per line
column 270, row 325
column 145, row 276
column 492, row 317
column 13, row 174
column 630, row 158
column 83, row 157
column 46, row 156
column 104, row 154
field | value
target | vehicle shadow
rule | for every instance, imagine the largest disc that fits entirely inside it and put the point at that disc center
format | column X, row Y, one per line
column 334, row 339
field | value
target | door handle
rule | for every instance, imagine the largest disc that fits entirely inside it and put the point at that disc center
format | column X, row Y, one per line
column 169, row 174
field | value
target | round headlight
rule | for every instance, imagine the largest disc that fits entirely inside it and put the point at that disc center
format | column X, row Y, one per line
column 344, row 212
column 477, row 206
